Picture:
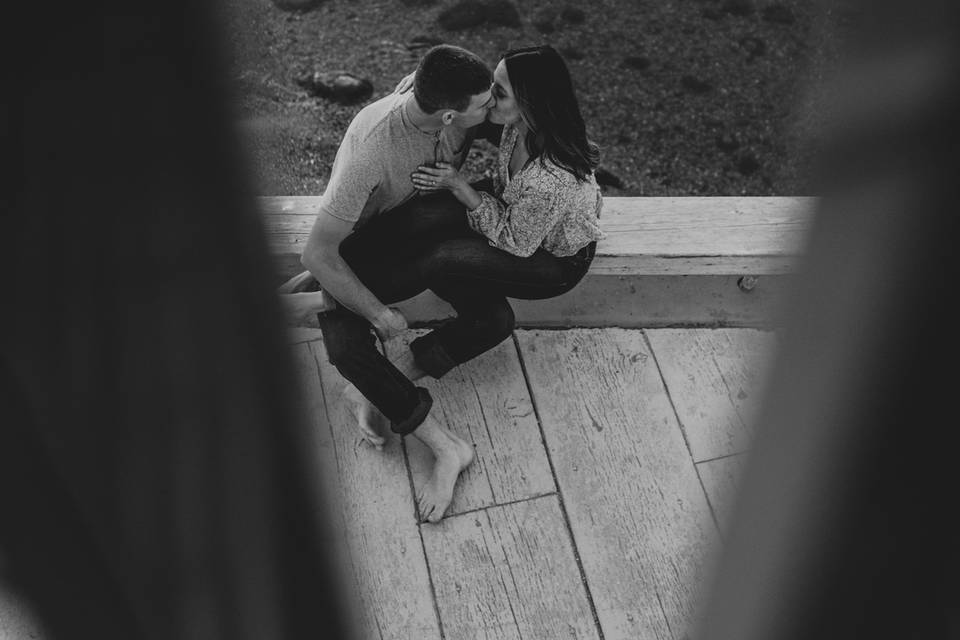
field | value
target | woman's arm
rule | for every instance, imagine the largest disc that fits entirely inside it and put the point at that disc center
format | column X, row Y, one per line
column 519, row 223
column 406, row 83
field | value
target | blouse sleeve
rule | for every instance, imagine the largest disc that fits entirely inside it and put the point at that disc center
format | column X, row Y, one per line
column 520, row 222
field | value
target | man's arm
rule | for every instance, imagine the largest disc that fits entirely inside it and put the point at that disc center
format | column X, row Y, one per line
column 322, row 258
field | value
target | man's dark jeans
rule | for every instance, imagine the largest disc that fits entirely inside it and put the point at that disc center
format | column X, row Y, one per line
column 427, row 244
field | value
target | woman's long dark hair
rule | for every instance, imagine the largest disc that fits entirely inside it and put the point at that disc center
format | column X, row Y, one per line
column 544, row 93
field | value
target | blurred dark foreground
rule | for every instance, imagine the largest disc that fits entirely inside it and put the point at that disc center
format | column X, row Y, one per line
column 157, row 482
column 155, row 478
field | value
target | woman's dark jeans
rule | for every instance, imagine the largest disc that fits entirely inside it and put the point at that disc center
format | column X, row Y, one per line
column 427, row 244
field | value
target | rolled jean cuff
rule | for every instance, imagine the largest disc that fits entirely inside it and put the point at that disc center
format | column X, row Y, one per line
column 416, row 418
column 430, row 356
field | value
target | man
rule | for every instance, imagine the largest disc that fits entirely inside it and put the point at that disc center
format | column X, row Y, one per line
column 383, row 146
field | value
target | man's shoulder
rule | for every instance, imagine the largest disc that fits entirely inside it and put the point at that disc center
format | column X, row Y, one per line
column 375, row 119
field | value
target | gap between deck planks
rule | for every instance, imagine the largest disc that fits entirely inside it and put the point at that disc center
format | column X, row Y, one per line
column 632, row 513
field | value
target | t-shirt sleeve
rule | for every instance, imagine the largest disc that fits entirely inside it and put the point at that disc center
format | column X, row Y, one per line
column 353, row 178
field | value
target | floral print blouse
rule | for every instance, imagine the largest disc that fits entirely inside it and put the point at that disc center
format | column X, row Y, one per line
column 543, row 205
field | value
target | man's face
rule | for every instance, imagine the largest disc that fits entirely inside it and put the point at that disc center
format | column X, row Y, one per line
column 476, row 111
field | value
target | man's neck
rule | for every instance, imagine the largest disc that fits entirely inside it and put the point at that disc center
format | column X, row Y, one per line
column 425, row 122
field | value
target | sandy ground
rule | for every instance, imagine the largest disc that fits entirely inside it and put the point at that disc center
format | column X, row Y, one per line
column 685, row 97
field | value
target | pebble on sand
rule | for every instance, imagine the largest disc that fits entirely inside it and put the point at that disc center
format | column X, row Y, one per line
column 727, row 142
column 338, row 86
column 473, row 13
column 748, row 164
column 573, row 15
column 572, row 53
column 738, row 7
column 640, row 63
column 544, row 21
column 754, row 47
column 503, row 12
column 779, row 14
column 297, row 5
column 695, row 85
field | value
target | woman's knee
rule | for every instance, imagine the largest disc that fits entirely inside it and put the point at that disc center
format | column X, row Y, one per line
column 501, row 318
column 495, row 320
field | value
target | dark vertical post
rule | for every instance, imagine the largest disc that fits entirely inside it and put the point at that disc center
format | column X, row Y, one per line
column 156, row 480
column 844, row 526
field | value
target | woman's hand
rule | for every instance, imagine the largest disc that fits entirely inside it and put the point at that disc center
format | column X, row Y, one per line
column 406, row 84
column 443, row 176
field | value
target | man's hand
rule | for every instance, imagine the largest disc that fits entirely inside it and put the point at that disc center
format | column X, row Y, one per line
column 389, row 323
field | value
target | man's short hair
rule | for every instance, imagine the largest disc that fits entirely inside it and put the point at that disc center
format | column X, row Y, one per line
column 448, row 76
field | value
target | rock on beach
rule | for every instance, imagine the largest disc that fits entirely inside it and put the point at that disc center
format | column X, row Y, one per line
column 338, row 86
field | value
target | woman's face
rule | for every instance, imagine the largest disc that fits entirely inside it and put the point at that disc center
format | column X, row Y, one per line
column 507, row 111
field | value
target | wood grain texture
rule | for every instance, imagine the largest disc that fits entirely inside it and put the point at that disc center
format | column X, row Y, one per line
column 393, row 593
column 486, row 402
column 296, row 335
column 715, row 378
column 508, row 573
column 645, row 236
column 638, row 513
column 720, row 480
column 618, row 301
column 704, row 226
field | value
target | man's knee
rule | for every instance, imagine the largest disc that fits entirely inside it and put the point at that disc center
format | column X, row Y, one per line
column 350, row 345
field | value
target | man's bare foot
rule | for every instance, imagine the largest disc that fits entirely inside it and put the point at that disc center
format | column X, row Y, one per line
column 369, row 419
column 450, row 459
column 297, row 306
column 296, row 284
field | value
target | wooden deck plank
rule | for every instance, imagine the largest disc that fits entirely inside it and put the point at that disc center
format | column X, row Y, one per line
column 636, row 301
column 373, row 492
column 715, row 378
column 683, row 227
column 637, row 511
column 508, row 573
column 486, row 402
column 720, row 480
column 296, row 335
column 650, row 235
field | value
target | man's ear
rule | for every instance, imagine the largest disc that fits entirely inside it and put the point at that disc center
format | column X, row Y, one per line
column 447, row 118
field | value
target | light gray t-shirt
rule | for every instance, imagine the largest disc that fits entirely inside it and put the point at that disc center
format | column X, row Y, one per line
column 379, row 151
